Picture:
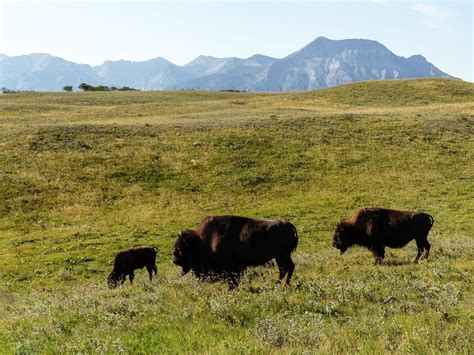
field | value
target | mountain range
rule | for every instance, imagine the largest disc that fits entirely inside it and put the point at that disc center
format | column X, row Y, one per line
column 322, row 63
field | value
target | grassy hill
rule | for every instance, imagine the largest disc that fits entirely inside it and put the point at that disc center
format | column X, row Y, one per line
column 84, row 175
column 396, row 93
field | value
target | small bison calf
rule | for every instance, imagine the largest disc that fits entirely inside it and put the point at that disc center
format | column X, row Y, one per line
column 127, row 261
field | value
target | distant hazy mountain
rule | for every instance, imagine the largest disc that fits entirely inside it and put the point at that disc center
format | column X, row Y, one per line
column 43, row 72
column 325, row 62
column 153, row 74
column 224, row 73
column 322, row 63
column 205, row 65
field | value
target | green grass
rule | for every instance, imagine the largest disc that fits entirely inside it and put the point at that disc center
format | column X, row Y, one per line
column 83, row 175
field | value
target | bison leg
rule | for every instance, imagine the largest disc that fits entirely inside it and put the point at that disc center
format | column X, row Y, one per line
column 420, row 247
column 150, row 271
column 282, row 274
column 155, row 269
column 233, row 280
column 427, row 249
column 286, row 267
column 291, row 268
column 422, row 244
column 379, row 254
column 131, row 276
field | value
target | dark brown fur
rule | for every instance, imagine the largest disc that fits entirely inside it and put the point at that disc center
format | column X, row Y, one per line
column 377, row 228
column 222, row 247
column 127, row 261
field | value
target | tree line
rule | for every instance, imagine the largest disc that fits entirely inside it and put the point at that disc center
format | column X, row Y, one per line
column 69, row 88
column 87, row 87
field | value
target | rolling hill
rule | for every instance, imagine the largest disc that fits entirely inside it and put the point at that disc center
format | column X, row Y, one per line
column 84, row 175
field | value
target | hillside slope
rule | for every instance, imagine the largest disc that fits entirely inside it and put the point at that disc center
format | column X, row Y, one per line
column 84, row 175
column 409, row 92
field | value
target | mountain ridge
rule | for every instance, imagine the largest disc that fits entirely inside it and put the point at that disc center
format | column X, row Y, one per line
column 321, row 63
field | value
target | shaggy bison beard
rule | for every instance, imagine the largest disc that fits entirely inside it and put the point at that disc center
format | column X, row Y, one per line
column 183, row 251
column 114, row 279
column 204, row 271
column 341, row 239
column 179, row 260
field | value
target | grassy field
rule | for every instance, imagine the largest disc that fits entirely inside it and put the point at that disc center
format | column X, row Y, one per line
column 83, row 175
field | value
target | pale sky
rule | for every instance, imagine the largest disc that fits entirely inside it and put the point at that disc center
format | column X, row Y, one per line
column 93, row 31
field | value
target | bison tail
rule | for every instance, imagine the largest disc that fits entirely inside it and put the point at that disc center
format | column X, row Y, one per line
column 295, row 240
column 431, row 218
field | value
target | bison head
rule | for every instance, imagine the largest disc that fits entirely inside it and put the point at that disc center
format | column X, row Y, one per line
column 185, row 248
column 114, row 279
column 342, row 237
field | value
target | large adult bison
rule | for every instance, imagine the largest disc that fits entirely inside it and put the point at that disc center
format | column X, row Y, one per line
column 222, row 247
column 377, row 228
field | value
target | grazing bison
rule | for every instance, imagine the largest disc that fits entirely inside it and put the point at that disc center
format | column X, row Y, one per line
column 377, row 228
column 222, row 247
column 127, row 261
